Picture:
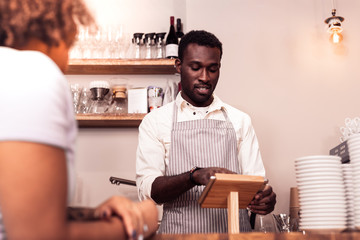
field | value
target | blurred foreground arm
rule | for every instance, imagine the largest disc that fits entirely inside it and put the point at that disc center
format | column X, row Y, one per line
column 33, row 193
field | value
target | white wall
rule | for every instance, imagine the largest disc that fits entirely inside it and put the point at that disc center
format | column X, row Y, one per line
column 278, row 66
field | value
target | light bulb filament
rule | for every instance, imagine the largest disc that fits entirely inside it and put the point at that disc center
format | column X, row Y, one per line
column 336, row 37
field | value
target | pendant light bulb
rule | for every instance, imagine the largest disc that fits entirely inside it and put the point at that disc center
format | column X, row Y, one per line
column 336, row 37
column 334, row 27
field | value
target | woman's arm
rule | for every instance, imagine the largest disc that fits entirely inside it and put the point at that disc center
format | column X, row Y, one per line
column 33, row 190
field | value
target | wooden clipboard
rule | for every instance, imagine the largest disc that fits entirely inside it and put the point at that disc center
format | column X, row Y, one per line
column 216, row 192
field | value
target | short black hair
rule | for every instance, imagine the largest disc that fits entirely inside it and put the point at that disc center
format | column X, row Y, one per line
column 200, row 37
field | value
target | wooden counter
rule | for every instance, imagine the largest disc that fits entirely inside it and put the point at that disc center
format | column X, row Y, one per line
column 261, row 236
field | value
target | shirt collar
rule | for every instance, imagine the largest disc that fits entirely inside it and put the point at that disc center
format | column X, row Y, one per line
column 216, row 104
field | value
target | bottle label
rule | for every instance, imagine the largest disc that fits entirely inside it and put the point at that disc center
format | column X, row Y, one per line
column 172, row 50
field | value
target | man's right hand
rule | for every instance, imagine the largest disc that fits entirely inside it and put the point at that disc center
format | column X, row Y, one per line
column 202, row 176
column 168, row 188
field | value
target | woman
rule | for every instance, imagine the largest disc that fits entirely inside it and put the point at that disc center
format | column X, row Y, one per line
column 38, row 130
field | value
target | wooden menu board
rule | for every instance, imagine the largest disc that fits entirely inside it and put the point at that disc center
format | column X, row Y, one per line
column 216, row 192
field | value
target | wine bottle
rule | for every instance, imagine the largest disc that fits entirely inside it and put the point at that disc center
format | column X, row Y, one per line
column 179, row 32
column 171, row 44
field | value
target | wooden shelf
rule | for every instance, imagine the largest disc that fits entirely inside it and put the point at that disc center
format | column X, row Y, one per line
column 121, row 66
column 109, row 120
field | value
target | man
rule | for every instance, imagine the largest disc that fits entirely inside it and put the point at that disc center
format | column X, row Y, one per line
column 186, row 141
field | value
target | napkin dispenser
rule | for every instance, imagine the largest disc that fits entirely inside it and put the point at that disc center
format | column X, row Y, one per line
column 342, row 151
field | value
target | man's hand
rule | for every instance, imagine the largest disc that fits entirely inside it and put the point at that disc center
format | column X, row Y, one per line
column 263, row 202
column 202, row 176
column 168, row 188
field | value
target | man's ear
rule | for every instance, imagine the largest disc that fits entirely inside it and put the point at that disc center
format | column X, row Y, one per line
column 178, row 65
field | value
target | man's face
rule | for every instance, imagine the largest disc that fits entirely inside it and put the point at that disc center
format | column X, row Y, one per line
column 199, row 70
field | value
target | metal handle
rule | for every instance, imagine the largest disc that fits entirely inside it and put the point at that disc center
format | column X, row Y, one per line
column 118, row 181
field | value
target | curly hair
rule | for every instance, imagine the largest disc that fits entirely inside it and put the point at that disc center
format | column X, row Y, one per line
column 200, row 37
column 47, row 20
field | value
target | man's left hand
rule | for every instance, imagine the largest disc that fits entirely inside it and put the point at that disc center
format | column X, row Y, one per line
column 263, row 202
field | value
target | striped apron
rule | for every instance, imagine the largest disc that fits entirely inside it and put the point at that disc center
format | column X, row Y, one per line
column 202, row 143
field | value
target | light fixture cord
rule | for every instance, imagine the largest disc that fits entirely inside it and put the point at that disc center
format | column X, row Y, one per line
column 333, row 4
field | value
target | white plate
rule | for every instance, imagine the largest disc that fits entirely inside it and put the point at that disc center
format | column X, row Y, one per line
column 352, row 145
column 323, row 198
column 321, row 194
column 336, row 203
column 349, row 183
column 321, row 173
column 329, row 215
column 354, row 156
column 324, row 169
column 337, row 206
column 319, row 167
column 330, row 187
column 314, row 179
column 324, row 218
column 354, row 136
column 310, row 162
column 355, row 150
column 356, row 169
column 320, row 184
column 355, row 160
column 320, row 225
column 333, row 211
column 349, row 198
column 318, row 157
column 322, row 221
column 325, row 190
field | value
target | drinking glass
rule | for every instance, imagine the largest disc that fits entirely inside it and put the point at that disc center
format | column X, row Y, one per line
column 85, row 101
column 264, row 223
column 76, row 92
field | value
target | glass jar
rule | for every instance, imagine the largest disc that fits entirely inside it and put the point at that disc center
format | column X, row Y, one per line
column 160, row 45
column 119, row 100
column 137, row 45
column 99, row 89
column 149, row 45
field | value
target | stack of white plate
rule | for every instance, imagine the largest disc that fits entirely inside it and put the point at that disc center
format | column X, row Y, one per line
column 354, row 151
column 321, row 192
column 349, row 194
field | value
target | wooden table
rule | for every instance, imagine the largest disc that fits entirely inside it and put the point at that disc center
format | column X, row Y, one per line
column 261, row 236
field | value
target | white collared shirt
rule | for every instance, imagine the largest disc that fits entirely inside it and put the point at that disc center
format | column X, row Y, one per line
column 152, row 157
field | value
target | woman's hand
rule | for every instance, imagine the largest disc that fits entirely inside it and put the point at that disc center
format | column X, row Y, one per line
column 134, row 215
column 127, row 210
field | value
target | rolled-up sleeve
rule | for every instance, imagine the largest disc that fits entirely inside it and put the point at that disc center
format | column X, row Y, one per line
column 249, row 153
column 150, row 157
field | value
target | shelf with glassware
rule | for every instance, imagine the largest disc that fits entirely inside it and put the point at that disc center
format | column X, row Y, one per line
column 116, row 66
column 121, row 66
column 109, row 120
